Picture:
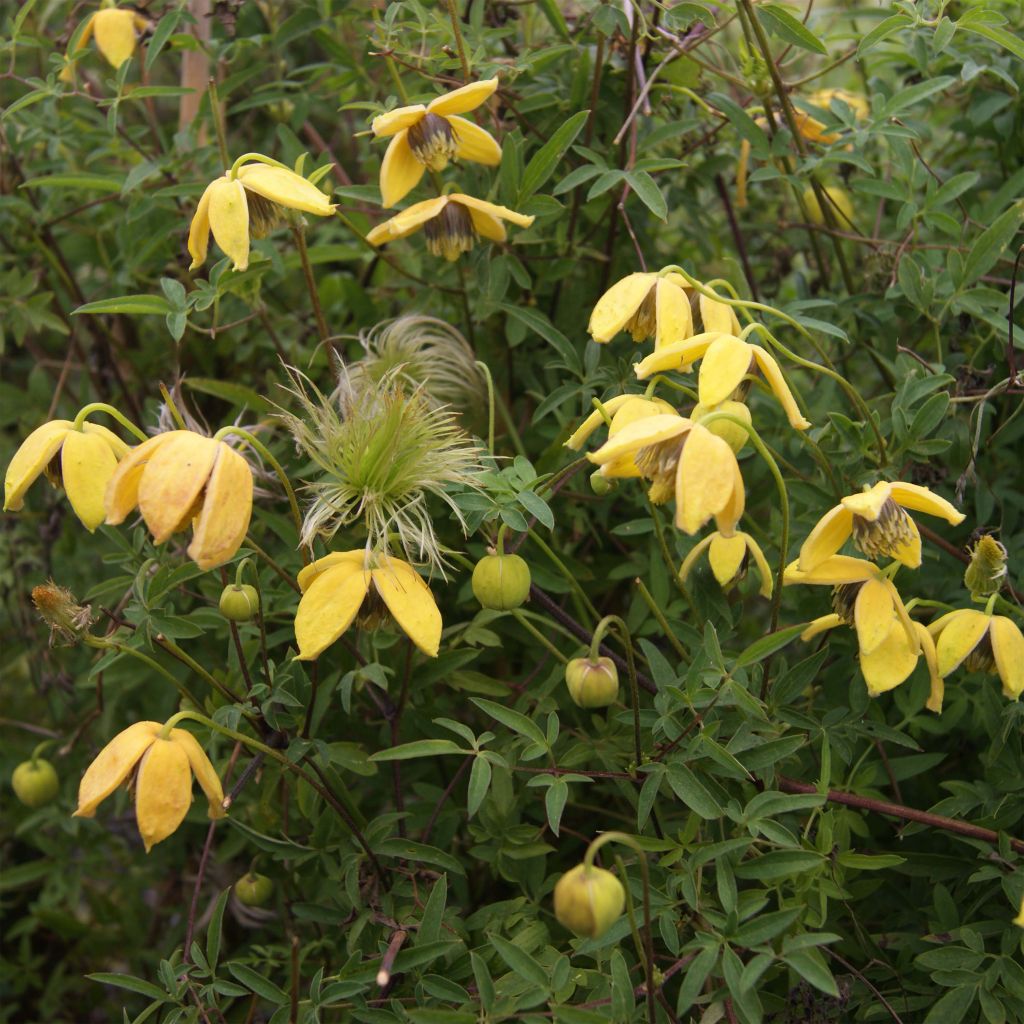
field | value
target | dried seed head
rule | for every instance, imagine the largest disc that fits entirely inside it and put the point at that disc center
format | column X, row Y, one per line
column 58, row 608
column 987, row 569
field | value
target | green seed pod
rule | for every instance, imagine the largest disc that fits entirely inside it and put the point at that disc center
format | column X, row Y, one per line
column 588, row 901
column 501, row 582
column 601, row 484
column 35, row 782
column 734, row 436
column 239, row 602
column 592, row 684
column 254, row 890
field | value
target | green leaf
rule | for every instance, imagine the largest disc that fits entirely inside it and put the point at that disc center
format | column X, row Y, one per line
column 213, row 930
column 521, row 962
column 554, row 803
column 870, row 862
column 230, row 391
column 991, row 243
column 537, row 507
column 903, row 99
column 515, row 720
column 692, row 791
column 418, row 748
column 133, row 305
column 1005, row 39
column 257, row 983
column 163, row 31
column 781, row 23
column 479, row 782
column 770, row 867
column 544, row 161
column 760, row 649
column 132, row 984
column 81, row 182
column 811, row 966
column 648, row 193
column 406, row 849
column 743, row 123
column 883, row 30
column 433, row 913
column 537, row 322
column 765, row 927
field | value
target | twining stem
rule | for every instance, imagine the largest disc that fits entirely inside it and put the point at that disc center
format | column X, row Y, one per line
column 626, row 638
column 307, row 272
column 183, row 656
column 258, row 158
column 486, row 371
column 453, row 14
column 92, row 407
column 660, row 378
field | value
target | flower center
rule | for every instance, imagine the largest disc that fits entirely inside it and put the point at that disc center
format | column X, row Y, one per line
column 981, row 659
column 658, row 463
column 264, row 215
column 644, row 322
column 432, row 141
column 885, row 535
column 451, row 232
column 844, row 597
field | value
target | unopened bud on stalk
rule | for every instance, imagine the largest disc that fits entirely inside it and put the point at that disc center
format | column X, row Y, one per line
column 600, row 484
column 987, row 569
column 35, row 782
column 254, row 890
column 731, row 433
column 593, row 683
column 501, row 582
column 239, row 602
column 588, row 901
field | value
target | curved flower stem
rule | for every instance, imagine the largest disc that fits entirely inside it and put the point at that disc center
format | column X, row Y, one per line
column 101, row 643
column 660, row 378
column 564, row 570
column 258, row 158
column 626, row 638
column 659, row 615
column 264, row 453
column 645, row 874
column 552, row 623
column 538, row 635
column 185, row 658
column 92, row 407
column 554, row 481
column 486, row 371
column 283, row 573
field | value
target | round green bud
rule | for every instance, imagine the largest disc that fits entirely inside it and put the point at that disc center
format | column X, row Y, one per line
column 592, row 684
column 839, row 201
column 239, row 602
column 734, row 436
column 600, row 484
column 588, row 901
column 254, row 890
column 501, row 582
column 35, row 782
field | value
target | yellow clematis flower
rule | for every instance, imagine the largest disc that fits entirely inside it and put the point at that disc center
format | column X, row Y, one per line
column 336, row 587
column 163, row 782
column 728, row 556
column 247, row 203
column 726, row 361
column 623, row 410
column 682, row 459
column 981, row 642
column 181, row 478
column 82, row 461
column 116, row 30
column 452, row 224
column 878, row 521
column 429, row 136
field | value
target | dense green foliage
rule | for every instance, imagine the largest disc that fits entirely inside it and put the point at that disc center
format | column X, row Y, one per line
column 773, row 800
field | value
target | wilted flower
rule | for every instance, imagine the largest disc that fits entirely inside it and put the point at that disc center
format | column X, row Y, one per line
column 728, row 556
column 452, row 224
column 60, row 610
column 981, row 642
column 181, row 478
column 878, row 521
column 249, row 202
column 116, row 30
column 588, row 901
column 336, row 588
column 986, row 571
column 621, row 410
column 163, row 782
column 80, row 461
column 429, row 136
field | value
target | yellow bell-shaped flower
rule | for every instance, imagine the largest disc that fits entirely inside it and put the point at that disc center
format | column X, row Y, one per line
column 81, row 461
column 622, row 410
column 728, row 556
column 163, row 782
column 182, row 478
column 335, row 588
column 116, row 30
column 588, row 901
column 981, row 642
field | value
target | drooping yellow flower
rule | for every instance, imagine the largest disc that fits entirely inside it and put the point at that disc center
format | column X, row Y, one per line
column 248, row 204
column 429, row 136
column 981, row 642
column 726, row 360
column 878, row 521
column 182, row 478
column 163, row 783
column 335, row 588
column 680, row 458
column 623, row 410
column 116, row 30
column 728, row 556
column 452, row 224
column 82, row 461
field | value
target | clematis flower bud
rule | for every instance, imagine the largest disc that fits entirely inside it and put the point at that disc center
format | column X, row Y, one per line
column 239, row 602
column 588, row 901
column 731, row 433
column 592, row 683
column 254, row 890
column 501, row 582
column 987, row 569
column 35, row 782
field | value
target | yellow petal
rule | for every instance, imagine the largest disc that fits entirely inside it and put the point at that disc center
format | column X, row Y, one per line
column 400, row 171
column 937, row 691
column 726, row 556
column 474, row 143
column 868, row 504
column 1008, row 649
column 820, row 625
column 618, row 305
column 228, row 211
column 87, row 31
column 409, row 220
column 163, row 791
column 717, row 317
column 777, row 382
column 199, row 229
column 123, row 489
column 936, row 626
column 115, row 34
column 650, row 430
column 492, row 209
column 704, row 479
column 469, row 97
column 677, row 356
column 635, row 409
column 833, row 571
column 873, row 615
column 87, row 464
column 693, row 554
column 328, row 608
column 594, row 420
column 908, row 552
column 830, row 533
column 227, row 507
column 286, row 188
column 961, row 633
column 673, row 316
column 889, row 663
column 31, row 459
column 410, row 602
column 206, row 775
column 763, row 569
column 920, row 499
column 397, row 120
column 112, row 765
column 487, row 226
column 725, row 362
column 173, row 480
column 728, row 517
column 116, row 445
column 353, row 559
